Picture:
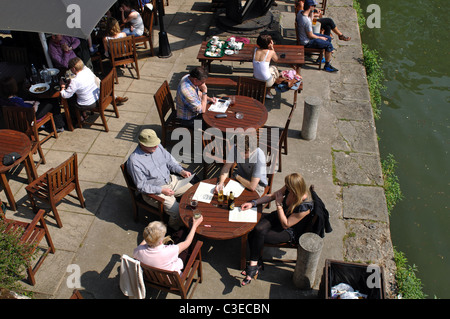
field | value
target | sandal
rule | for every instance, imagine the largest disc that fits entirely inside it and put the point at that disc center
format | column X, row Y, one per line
column 250, row 271
column 344, row 38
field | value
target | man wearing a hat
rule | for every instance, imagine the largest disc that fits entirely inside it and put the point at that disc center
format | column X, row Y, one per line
column 155, row 171
column 313, row 40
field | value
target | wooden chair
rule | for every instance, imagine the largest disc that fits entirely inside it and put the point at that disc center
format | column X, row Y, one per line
column 252, row 87
column 123, row 51
column 166, row 111
column 76, row 294
column 171, row 281
column 55, row 184
column 15, row 55
column 311, row 220
column 282, row 133
column 320, row 53
column 106, row 98
column 136, row 198
column 147, row 17
column 23, row 119
column 31, row 235
column 214, row 150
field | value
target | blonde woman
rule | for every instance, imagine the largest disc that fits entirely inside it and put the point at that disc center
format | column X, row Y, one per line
column 294, row 203
column 154, row 251
column 112, row 32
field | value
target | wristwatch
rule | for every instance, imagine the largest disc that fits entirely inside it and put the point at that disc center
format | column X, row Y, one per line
column 253, row 202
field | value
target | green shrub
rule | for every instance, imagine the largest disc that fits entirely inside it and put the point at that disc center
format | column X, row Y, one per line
column 408, row 285
column 391, row 185
column 375, row 78
column 13, row 259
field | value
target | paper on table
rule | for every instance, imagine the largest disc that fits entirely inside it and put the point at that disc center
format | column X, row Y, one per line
column 235, row 187
column 243, row 216
column 220, row 106
column 204, row 192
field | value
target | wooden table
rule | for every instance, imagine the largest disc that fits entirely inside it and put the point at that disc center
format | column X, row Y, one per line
column 217, row 218
column 294, row 55
column 55, row 94
column 15, row 141
column 255, row 115
column 291, row 55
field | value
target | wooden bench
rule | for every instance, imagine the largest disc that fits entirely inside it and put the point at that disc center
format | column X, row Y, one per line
column 319, row 52
column 222, row 82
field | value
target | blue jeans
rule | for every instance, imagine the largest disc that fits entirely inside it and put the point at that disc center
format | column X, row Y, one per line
column 129, row 32
column 321, row 44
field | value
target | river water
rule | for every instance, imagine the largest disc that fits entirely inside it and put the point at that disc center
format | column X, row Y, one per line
column 413, row 41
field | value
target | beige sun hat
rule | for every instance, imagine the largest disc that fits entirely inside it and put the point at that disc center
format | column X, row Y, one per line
column 148, row 138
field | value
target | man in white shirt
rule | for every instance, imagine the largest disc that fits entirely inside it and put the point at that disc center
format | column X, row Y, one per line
column 83, row 85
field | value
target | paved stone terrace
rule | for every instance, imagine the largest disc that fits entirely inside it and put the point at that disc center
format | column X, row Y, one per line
column 342, row 162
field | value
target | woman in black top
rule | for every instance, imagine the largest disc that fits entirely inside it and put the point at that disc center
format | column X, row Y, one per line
column 286, row 224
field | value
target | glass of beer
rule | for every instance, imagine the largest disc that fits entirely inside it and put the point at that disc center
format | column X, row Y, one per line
column 220, row 196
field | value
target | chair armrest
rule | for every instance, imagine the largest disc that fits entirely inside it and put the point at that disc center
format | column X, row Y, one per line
column 159, row 199
column 195, row 253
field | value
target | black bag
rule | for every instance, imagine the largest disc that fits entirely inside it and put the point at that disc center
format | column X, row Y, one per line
column 321, row 223
column 10, row 158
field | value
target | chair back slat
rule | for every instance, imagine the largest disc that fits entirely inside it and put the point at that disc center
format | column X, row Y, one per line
column 164, row 101
column 21, row 119
column 106, row 89
column 122, row 48
column 164, row 279
column 252, row 88
column 147, row 18
column 16, row 55
column 60, row 177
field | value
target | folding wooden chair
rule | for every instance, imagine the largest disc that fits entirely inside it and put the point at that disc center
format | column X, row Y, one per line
column 122, row 52
column 106, row 98
column 166, row 111
column 171, row 281
column 147, row 17
column 136, row 198
column 23, row 119
column 252, row 87
column 31, row 236
column 55, row 184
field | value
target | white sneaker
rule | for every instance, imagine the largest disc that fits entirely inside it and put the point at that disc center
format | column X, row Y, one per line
column 269, row 96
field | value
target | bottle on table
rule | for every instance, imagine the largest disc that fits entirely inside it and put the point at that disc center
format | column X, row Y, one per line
column 231, row 201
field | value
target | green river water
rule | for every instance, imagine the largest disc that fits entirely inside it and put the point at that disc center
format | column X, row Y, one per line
column 413, row 40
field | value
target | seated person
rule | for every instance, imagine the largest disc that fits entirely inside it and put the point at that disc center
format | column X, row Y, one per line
column 83, row 91
column 112, row 32
column 132, row 17
column 154, row 251
column 326, row 24
column 312, row 40
column 155, row 171
column 9, row 91
column 61, row 49
column 191, row 99
column 251, row 167
column 262, row 70
column 294, row 203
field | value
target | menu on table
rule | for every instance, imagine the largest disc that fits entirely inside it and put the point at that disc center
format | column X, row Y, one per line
column 243, row 216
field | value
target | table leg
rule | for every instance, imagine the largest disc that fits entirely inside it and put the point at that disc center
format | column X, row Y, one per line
column 8, row 192
column 243, row 252
column 67, row 114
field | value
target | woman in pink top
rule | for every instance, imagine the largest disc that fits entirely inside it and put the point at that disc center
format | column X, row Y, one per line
column 154, row 252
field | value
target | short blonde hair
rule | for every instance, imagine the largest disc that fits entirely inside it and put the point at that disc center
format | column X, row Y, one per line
column 154, row 233
column 76, row 63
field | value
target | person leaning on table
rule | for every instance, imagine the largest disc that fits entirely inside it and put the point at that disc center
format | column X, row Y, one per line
column 155, row 171
column 251, row 167
column 294, row 203
column 192, row 96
